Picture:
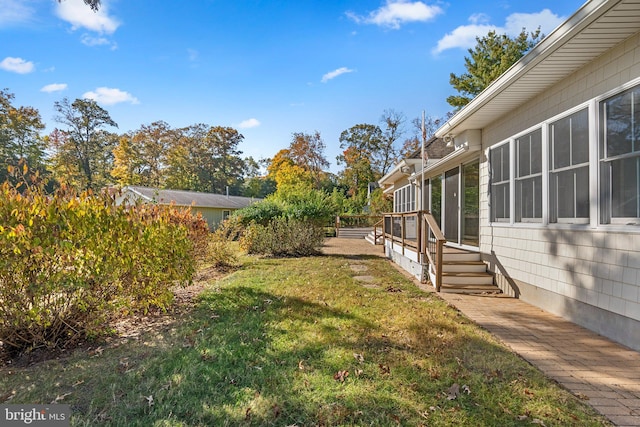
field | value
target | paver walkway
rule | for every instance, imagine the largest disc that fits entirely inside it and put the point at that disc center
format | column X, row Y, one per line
column 604, row 374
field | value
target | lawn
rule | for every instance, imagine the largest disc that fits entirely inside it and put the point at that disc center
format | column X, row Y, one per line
column 303, row 342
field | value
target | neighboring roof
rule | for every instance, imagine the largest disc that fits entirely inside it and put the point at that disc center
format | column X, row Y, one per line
column 435, row 148
column 595, row 28
column 190, row 198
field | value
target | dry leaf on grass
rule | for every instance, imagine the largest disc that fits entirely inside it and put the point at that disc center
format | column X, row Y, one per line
column 341, row 376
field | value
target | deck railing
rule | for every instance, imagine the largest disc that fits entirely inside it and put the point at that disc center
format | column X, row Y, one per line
column 420, row 232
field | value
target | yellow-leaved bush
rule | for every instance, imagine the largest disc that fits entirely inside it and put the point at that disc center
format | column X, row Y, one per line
column 70, row 262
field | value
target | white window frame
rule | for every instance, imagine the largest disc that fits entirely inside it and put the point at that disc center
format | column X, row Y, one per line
column 551, row 170
column 605, row 215
column 492, row 185
column 517, row 179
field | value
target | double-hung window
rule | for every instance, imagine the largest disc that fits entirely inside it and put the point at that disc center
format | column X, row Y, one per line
column 528, row 177
column 500, row 175
column 620, row 158
column 569, row 169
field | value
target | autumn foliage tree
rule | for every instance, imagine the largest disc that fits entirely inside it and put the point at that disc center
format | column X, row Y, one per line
column 83, row 146
column 20, row 142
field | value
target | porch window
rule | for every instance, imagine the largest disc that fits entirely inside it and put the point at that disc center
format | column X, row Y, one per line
column 405, row 199
column 528, row 179
column 499, row 169
column 620, row 158
column 569, row 169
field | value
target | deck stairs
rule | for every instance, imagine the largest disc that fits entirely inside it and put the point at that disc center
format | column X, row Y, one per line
column 371, row 237
column 464, row 272
column 354, row 232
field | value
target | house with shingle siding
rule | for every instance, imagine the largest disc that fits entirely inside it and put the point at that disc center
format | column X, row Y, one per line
column 544, row 178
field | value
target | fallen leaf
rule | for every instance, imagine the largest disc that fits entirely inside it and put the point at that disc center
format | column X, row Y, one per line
column 7, row 396
column 60, row 398
column 384, row 369
column 537, row 421
column 453, row 392
column 149, row 400
column 359, row 372
column 247, row 414
column 276, row 411
column 582, row 396
column 341, row 376
column 466, row 389
column 301, row 365
column 358, row 357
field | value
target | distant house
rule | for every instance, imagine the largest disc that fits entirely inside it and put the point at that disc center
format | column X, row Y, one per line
column 544, row 180
column 213, row 207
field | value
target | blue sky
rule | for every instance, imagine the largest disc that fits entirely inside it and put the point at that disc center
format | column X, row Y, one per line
column 266, row 68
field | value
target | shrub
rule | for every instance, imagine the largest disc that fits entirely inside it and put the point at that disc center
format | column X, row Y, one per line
column 260, row 213
column 283, row 237
column 220, row 252
column 70, row 262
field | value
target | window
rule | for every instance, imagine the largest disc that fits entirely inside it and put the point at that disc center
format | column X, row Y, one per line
column 225, row 214
column 620, row 158
column 405, row 199
column 499, row 184
column 528, row 179
column 569, row 169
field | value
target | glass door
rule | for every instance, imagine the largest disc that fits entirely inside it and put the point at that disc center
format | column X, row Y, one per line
column 451, row 205
column 471, row 203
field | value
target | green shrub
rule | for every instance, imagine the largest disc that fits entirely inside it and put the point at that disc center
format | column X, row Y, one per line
column 220, row 252
column 260, row 213
column 283, row 237
column 71, row 262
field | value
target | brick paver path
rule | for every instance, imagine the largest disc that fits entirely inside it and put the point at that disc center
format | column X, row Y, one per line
column 604, row 374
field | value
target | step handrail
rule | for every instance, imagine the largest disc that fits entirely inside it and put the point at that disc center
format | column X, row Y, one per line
column 432, row 245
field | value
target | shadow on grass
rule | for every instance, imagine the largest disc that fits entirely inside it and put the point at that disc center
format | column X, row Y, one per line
column 300, row 342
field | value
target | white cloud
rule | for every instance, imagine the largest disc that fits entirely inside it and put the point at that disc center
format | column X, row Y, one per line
column 14, row 12
column 464, row 37
column 398, row 12
column 79, row 15
column 110, row 96
column 54, row 87
column 89, row 40
column 17, row 65
column 249, row 123
column 335, row 73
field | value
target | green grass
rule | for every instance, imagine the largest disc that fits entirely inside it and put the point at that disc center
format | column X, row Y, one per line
column 269, row 344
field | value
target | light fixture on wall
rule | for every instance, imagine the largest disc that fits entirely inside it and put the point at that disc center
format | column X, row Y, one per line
column 448, row 139
column 405, row 170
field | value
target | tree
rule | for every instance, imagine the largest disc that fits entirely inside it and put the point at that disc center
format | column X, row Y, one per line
column 141, row 157
column 288, row 175
column 255, row 184
column 182, row 169
column 20, row 142
column 84, row 142
column 414, row 143
column 93, row 4
column 307, row 151
column 220, row 167
column 206, row 159
column 489, row 59
column 388, row 154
